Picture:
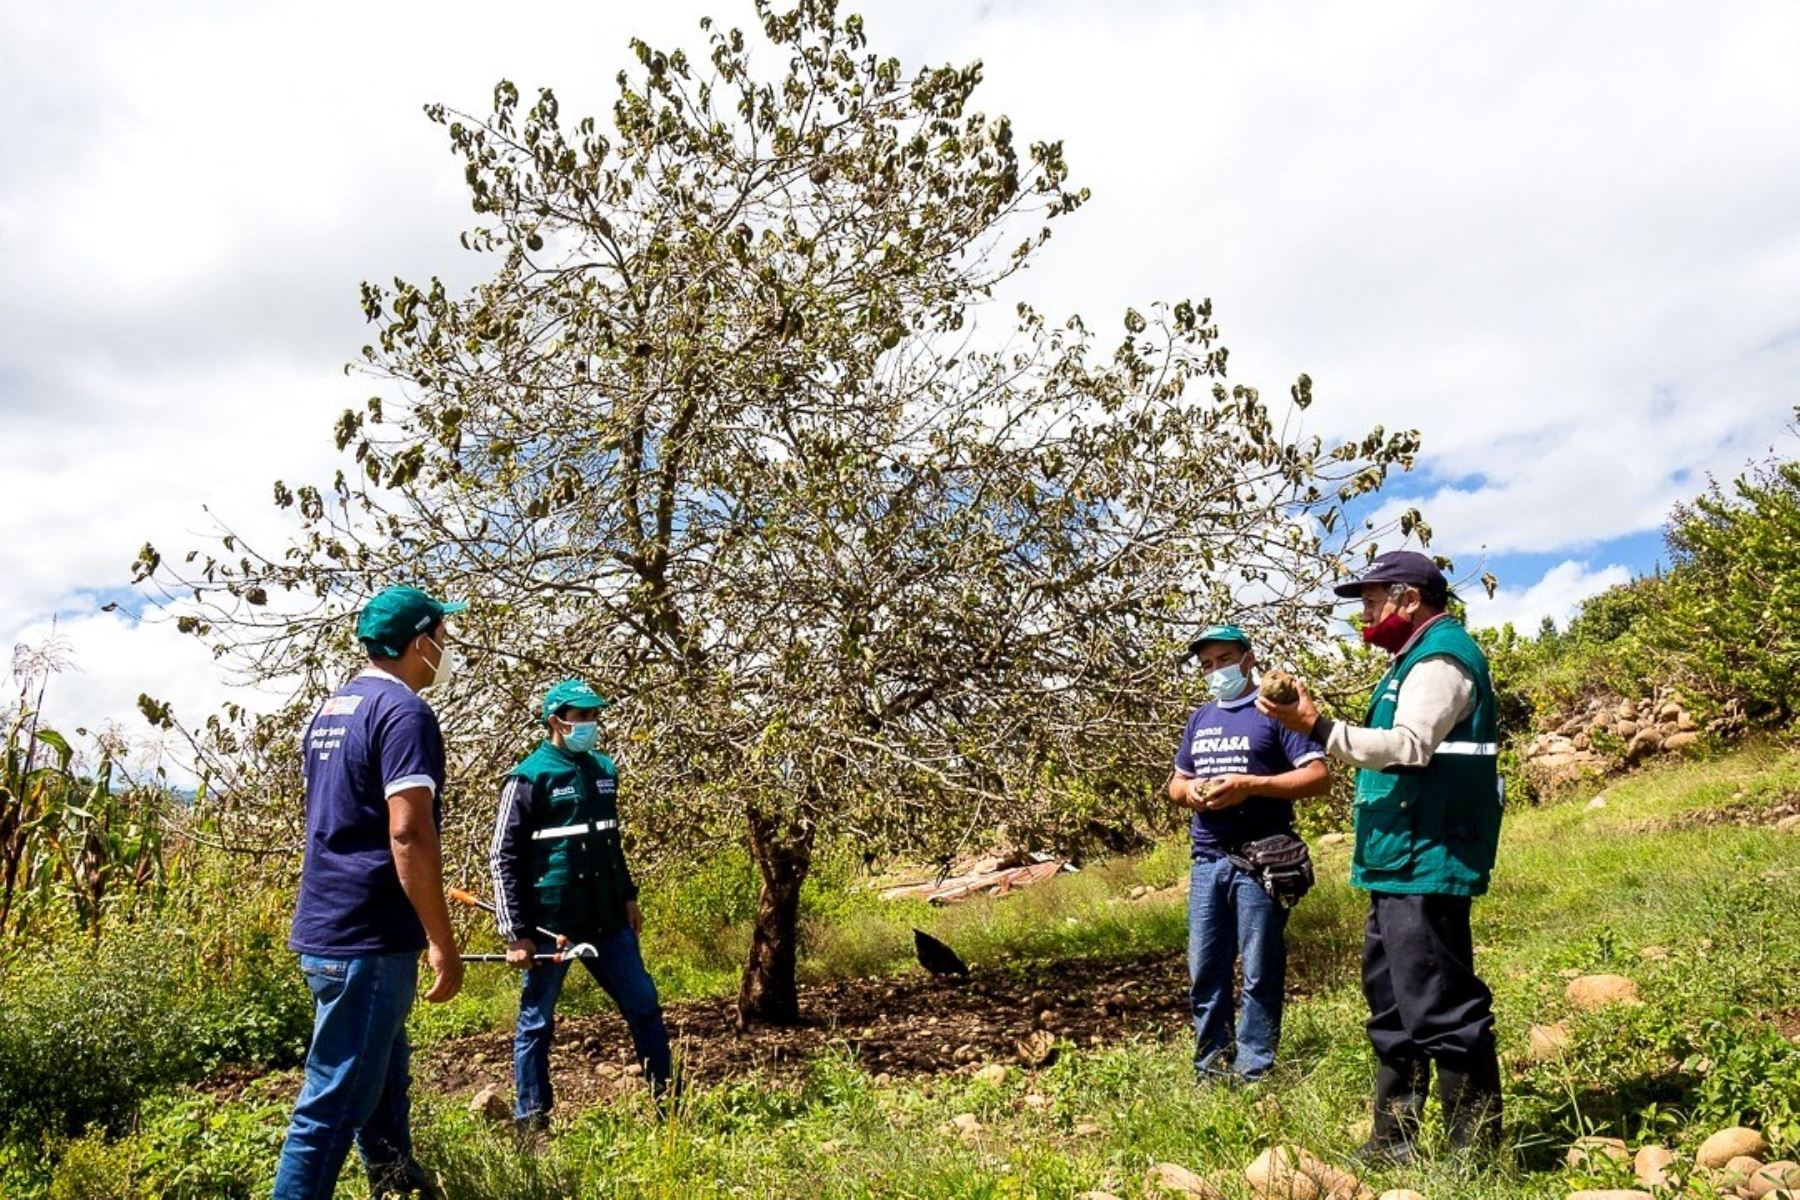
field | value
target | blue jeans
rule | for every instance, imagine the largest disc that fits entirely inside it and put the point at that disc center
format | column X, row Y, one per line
column 356, row 1073
column 619, row 969
column 1229, row 914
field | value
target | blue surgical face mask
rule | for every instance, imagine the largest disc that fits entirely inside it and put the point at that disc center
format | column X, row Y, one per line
column 1227, row 683
column 581, row 736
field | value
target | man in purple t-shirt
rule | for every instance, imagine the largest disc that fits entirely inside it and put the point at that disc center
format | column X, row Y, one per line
column 1240, row 772
column 371, row 898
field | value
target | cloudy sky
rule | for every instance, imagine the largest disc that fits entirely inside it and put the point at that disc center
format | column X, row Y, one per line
column 1562, row 240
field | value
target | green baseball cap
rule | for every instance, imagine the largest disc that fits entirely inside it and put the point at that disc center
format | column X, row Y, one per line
column 395, row 616
column 1219, row 633
column 571, row 693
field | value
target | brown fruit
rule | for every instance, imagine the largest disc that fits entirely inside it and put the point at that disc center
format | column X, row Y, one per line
column 1280, row 687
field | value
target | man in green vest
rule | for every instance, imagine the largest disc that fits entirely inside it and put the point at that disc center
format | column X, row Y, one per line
column 1428, row 802
column 558, row 865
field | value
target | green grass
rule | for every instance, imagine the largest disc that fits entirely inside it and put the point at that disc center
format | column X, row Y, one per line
column 1577, row 889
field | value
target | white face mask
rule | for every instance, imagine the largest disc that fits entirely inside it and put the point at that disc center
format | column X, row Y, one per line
column 1227, row 683
column 446, row 663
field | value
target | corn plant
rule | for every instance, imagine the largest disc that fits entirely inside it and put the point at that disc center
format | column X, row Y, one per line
column 81, row 841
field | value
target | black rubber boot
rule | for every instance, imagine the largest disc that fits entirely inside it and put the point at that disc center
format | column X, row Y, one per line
column 530, row 1133
column 1470, row 1093
column 402, row 1179
column 1401, row 1087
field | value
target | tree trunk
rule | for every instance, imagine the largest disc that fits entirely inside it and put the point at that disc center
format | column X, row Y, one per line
column 783, row 855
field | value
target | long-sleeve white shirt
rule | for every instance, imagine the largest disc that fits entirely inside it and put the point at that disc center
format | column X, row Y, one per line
column 1435, row 695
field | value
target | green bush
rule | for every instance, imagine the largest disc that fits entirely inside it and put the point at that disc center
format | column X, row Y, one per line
column 85, row 1030
column 89, row 1027
column 193, row 1148
column 1731, row 611
column 1722, row 625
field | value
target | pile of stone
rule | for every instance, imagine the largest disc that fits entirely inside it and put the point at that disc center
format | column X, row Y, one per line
column 1279, row 1173
column 1729, row 1163
column 1610, row 733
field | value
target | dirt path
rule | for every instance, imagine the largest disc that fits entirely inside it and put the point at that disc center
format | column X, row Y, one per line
column 905, row 1025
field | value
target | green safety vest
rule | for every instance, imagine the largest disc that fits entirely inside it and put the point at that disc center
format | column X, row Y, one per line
column 1433, row 831
column 579, row 881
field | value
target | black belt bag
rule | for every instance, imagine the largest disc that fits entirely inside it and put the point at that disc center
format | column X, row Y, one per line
column 1280, row 863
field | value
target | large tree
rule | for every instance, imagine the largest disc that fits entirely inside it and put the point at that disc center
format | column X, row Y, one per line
column 721, row 433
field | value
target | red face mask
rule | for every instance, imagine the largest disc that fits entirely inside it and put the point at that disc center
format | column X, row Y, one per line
column 1390, row 633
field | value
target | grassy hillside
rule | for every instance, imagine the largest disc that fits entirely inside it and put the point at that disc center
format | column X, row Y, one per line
column 1679, row 881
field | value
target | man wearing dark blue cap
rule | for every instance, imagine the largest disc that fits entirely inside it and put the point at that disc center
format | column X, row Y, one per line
column 559, row 865
column 1428, row 804
column 371, row 898
column 1240, row 772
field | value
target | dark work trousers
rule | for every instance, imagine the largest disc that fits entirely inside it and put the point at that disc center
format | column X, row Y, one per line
column 1425, row 1000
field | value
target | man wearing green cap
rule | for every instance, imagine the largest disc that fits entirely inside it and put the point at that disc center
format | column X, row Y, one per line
column 371, row 898
column 559, row 865
column 1240, row 772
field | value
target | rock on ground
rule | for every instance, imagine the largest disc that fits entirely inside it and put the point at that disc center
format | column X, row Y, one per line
column 1777, row 1177
column 1549, row 1041
column 1590, row 992
column 994, row 1073
column 1276, row 1176
column 1651, row 1166
column 965, row 1126
column 1173, row 1179
column 1727, row 1144
column 1293, row 1173
column 491, row 1103
column 1591, row 1151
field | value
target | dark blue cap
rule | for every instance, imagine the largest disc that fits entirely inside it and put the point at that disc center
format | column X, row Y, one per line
column 1401, row 566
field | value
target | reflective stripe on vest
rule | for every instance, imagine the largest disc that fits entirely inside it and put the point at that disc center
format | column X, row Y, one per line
column 1474, row 749
column 573, row 830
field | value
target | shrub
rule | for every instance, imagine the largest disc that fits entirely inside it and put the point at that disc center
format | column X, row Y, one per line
column 1722, row 624
column 88, row 1027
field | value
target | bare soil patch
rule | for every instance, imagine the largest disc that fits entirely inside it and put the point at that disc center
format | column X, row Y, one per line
column 906, row 1025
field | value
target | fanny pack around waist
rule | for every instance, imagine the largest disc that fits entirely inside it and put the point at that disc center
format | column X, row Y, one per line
column 1280, row 863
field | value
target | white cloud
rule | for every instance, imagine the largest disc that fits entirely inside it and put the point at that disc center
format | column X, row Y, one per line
column 1559, row 240
column 1557, row 595
column 114, row 661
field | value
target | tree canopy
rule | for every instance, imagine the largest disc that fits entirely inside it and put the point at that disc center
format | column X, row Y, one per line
column 736, row 430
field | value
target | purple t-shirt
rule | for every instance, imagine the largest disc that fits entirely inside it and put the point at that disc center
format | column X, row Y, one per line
column 1232, row 738
column 373, row 738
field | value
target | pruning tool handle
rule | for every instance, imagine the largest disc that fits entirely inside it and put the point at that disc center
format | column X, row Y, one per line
column 469, row 898
column 473, row 901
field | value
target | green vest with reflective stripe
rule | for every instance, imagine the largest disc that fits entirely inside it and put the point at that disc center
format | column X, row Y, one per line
column 579, row 882
column 1434, row 830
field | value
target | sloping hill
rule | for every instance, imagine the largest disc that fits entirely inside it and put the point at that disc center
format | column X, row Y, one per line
column 1677, row 879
